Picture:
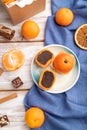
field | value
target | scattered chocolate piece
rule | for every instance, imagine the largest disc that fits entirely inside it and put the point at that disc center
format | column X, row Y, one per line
column 17, row 82
column 6, row 32
column 4, row 120
column 1, row 71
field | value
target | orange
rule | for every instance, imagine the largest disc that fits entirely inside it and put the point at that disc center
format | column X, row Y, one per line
column 64, row 16
column 64, row 62
column 30, row 29
column 34, row 117
column 81, row 36
column 13, row 59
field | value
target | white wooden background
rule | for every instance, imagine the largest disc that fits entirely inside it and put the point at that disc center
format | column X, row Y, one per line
column 15, row 108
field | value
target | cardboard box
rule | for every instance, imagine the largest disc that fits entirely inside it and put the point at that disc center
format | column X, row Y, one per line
column 18, row 14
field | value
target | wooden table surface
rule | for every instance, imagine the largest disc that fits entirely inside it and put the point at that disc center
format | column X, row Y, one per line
column 15, row 108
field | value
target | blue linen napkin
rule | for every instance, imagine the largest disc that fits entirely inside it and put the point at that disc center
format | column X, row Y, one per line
column 65, row 111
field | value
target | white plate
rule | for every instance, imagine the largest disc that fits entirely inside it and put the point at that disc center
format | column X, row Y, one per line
column 63, row 82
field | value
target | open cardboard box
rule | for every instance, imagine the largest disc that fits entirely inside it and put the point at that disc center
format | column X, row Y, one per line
column 18, row 14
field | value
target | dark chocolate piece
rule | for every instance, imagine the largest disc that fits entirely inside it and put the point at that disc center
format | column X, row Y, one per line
column 44, row 57
column 6, row 32
column 17, row 82
column 4, row 120
column 47, row 79
column 1, row 71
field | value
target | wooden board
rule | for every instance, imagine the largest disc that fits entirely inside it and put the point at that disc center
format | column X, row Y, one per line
column 15, row 111
column 15, row 108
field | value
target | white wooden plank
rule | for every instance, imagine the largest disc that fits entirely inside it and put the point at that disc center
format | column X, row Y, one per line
column 14, row 108
column 15, row 111
column 40, row 18
column 25, row 71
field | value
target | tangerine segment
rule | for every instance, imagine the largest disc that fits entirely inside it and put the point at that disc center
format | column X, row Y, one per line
column 34, row 117
column 30, row 29
column 64, row 16
column 64, row 62
column 13, row 59
column 81, row 36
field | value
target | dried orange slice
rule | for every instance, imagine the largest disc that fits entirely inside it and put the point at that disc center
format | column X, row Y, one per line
column 81, row 36
column 13, row 59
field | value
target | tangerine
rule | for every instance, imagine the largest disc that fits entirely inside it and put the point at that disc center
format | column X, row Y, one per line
column 34, row 117
column 64, row 16
column 64, row 62
column 30, row 29
column 13, row 59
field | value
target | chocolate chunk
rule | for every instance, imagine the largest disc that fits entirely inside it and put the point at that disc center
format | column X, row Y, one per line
column 47, row 79
column 4, row 120
column 1, row 71
column 17, row 82
column 44, row 57
column 6, row 32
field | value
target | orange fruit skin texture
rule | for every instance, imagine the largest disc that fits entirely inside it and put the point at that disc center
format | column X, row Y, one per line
column 30, row 29
column 34, row 117
column 13, row 59
column 63, row 62
column 8, row 1
column 64, row 16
